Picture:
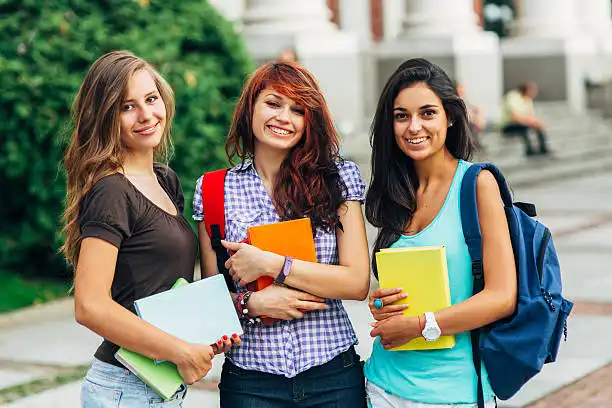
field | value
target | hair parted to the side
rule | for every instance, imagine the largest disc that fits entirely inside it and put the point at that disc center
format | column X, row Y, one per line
column 308, row 183
column 95, row 148
column 391, row 197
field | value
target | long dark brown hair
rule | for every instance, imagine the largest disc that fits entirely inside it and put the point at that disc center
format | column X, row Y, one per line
column 391, row 197
column 95, row 149
column 308, row 183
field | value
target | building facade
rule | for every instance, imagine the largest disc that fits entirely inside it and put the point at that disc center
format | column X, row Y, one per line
column 352, row 46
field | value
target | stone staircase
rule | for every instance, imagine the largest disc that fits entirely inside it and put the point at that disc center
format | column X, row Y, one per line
column 581, row 144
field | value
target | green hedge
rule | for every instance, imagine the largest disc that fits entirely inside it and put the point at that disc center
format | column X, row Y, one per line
column 46, row 49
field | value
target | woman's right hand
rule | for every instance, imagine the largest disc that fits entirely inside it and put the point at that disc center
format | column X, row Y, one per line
column 194, row 361
column 280, row 302
column 387, row 296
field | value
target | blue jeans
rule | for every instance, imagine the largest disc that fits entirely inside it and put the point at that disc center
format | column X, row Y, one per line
column 109, row 386
column 338, row 383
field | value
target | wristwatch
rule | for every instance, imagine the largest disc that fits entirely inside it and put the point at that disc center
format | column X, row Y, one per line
column 432, row 331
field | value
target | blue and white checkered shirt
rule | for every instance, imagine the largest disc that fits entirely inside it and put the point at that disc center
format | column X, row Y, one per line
column 286, row 347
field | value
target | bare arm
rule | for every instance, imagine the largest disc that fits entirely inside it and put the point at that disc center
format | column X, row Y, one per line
column 349, row 280
column 95, row 309
column 498, row 298
column 208, row 257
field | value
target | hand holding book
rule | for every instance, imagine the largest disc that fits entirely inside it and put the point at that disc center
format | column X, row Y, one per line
column 388, row 297
column 396, row 331
column 249, row 263
column 193, row 361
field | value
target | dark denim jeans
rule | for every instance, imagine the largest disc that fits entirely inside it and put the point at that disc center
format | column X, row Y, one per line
column 338, row 383
column 523, row 131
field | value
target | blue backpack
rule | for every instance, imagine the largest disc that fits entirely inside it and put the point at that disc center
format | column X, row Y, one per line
column 515, row 348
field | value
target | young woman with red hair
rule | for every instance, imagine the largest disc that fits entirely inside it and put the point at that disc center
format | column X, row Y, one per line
column 290, row 168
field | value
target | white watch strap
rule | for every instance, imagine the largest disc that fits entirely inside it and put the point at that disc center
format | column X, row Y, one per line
column 430, row 319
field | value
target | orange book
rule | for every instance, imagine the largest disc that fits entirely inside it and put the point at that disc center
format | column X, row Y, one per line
column 288, row 238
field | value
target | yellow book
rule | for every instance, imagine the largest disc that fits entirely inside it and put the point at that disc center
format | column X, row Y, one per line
column 423, row 274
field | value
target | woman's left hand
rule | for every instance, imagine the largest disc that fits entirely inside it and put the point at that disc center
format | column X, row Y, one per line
column 248, row 263
column 396, row 331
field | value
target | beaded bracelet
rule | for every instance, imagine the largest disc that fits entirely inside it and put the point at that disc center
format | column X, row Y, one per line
column 243, row 311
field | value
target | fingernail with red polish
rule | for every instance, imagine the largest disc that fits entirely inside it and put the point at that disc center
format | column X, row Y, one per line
column 219, row 342
column 225, row 337
column 235, row 335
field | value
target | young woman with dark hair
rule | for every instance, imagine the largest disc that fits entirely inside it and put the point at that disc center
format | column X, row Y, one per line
column 420, row 147
column 290, row 168
column 126, row 235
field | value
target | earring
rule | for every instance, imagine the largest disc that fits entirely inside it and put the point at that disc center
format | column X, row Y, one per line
column 450, row 124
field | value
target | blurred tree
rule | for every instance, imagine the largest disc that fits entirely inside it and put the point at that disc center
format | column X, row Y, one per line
column 46, row 49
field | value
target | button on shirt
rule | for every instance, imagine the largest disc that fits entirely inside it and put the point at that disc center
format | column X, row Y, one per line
column 286, row 347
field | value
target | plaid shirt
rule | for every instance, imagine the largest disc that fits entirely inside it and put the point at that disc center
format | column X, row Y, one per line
column 286, row 347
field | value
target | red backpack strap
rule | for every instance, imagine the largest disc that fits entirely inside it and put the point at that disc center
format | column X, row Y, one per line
column 213, row 201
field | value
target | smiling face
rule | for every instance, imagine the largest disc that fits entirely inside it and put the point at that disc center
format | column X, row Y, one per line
column 419, row 122
column 143, row 113
column 278, row 122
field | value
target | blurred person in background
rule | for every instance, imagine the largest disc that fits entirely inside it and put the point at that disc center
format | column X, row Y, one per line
column 476, row 116
column 288, row 55
column 518, row 118
column 126, row 235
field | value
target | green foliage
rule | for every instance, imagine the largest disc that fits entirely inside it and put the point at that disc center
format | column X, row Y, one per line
column 18, row 293
column 46, row 48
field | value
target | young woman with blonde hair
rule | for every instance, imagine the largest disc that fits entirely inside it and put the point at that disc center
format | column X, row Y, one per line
column 126, row 236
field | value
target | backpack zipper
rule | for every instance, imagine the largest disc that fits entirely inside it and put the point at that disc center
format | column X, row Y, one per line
column 540, row 265
column 542, row 253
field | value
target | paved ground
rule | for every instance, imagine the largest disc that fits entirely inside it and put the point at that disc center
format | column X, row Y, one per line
column 44, row 343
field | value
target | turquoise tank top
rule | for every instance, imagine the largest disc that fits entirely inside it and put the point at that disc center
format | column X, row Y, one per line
column 444, row 376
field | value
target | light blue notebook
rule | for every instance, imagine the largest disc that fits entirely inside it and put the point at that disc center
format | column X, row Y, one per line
column 199, row 312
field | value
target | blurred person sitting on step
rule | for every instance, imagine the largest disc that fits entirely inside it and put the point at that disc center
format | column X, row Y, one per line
column 476, row 117
column 519, row 118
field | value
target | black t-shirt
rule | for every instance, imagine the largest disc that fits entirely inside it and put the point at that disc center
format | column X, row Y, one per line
column 155, row 247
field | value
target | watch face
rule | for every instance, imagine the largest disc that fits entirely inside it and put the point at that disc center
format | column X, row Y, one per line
column 431, row 333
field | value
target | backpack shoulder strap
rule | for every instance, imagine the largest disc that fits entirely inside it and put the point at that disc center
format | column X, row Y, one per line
column 473, row 239
column 213, row 202
column 469, row 210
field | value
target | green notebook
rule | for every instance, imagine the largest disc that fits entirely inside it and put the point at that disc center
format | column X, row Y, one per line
column 162, row 377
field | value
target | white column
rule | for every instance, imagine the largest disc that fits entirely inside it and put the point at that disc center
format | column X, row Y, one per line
column 230, row 9
column 595, row 21
column 447, row 33
column 440, row 18
column 286, row 16
column 332, row 55
column 550, row 48
column 547, row 18
column 356, row 18
column 393, row 17
column 595, row 17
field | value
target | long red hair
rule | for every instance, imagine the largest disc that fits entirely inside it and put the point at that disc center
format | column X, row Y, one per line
column 308, row 183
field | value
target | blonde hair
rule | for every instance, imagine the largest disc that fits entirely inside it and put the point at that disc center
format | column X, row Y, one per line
column 95, row 149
